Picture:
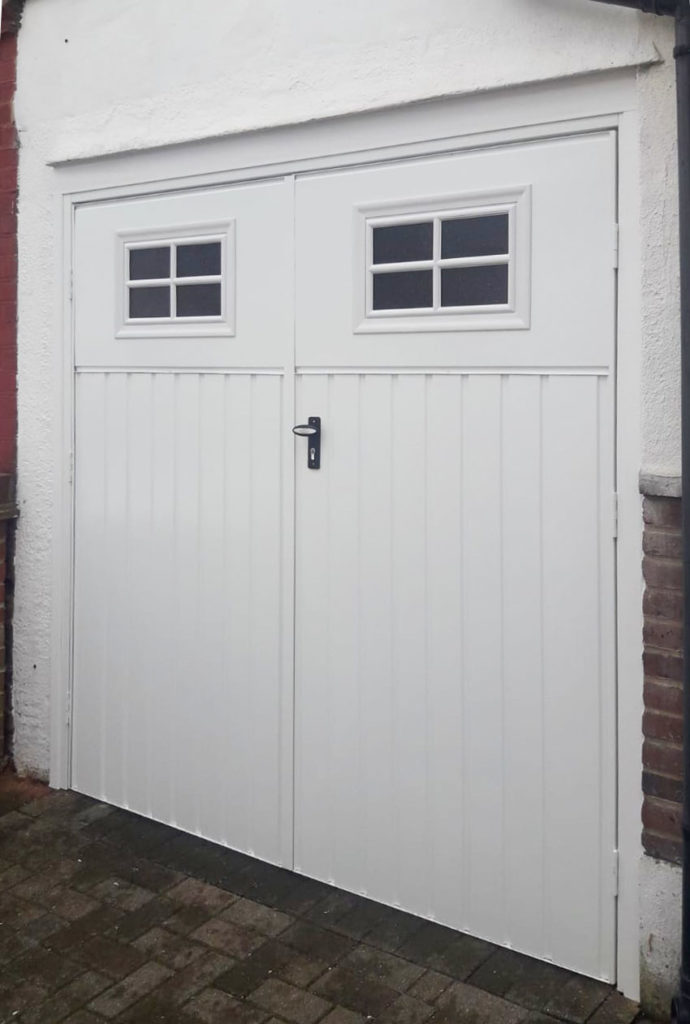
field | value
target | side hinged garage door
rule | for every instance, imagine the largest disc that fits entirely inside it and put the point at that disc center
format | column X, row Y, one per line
column 444, row 738
column 455, row 733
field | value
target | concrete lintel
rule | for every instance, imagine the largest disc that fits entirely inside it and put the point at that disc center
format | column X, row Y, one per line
column 657, row 486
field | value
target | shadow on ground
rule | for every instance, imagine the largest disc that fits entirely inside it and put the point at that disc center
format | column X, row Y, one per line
column 106, row 916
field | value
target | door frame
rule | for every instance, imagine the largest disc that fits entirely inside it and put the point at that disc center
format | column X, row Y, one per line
column 567, row 107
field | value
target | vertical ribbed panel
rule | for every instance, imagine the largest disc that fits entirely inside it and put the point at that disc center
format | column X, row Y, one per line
column 454, row 653
column 177, row 662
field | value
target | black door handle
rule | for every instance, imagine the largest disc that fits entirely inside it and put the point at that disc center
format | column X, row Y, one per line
column 311, row 430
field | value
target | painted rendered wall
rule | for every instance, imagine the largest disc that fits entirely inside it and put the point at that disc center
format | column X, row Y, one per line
column 660, row 274
column 660, row 934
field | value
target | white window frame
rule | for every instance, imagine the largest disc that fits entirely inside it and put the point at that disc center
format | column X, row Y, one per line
column 515, row 313
column 222, row 325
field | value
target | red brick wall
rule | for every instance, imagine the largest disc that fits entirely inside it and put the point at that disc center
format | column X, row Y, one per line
column 663, row 674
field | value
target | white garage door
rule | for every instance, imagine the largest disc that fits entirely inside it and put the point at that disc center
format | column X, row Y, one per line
column 448, row 324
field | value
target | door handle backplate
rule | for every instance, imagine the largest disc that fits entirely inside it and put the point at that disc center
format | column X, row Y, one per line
column 312, row 431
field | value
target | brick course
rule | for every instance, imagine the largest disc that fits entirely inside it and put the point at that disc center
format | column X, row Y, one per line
column 662, row 724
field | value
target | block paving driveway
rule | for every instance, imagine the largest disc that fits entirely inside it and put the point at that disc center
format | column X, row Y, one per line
column 106, row 916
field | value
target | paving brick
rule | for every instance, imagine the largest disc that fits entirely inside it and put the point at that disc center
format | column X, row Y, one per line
column 577, row 999
column 60, row 802
column 97, row 863
column 67, row 999
column 147, row 875
column 14, row 944
column 131, row 926
column 15, row 913
column 291, row 898
column 23, row 996
column 317, row 942
column 84, row 1017
column 392, row 929
column 232, row 939
column 116, row 999
column 132, row 833
column 204, row 861
column 215, row 1007
column 192, row 979
column 12, row 875
column 94, row 812
column 187, row 920
column 114, row 959
column 358, row 922
column 444, row 950
column 430, row 986
column 41, row 967
column 462, row 1004
column 342, row 1016
column 42, row 929
column 519, row 978
column 293, row 1004
column 256, row 915
column 121, row 893
column 194, row 893
column 89, row 875
column 365, row 995
column 461, row 957
column 12, row 821
column 615, row 1010
column 328, row 911
column 69, row 904
column 386, row 967
column 95, row 923
column 168, row 948
column 537, row 985
column 406, row 1010
column 273, row 958
column 154, row 1009
column 31, row 887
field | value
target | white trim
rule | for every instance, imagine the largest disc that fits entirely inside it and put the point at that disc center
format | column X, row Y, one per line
column 172, row 326
column 590, row 103
column 514, row 314
column 629, row 556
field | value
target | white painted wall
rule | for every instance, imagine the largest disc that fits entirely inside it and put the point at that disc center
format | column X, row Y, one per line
column 118, row 75
column 660, row 934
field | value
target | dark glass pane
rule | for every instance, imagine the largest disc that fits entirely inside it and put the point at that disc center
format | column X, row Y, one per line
column 149, row 264
column 198, row 259
column 145, row 303
column 198, row 300
column 475, row 236
column 474, row 286
column 411, row 289
column 402, row 243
